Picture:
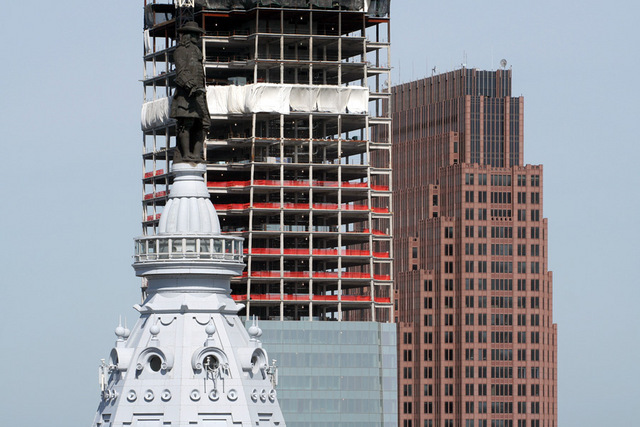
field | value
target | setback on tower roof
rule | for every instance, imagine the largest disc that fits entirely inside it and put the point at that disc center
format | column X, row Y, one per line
column 157, row 13
column 222, row 4
column 352, row 4
column 321, row 3
column 375, row 7
column 379, row 7
column 294, row 3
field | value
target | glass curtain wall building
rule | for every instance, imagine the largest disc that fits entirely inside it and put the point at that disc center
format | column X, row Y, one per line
column 335, row 374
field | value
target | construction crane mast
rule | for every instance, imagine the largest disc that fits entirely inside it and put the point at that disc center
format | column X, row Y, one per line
column 185, row 11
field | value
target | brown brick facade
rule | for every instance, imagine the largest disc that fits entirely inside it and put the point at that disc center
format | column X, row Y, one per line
column 477, row 342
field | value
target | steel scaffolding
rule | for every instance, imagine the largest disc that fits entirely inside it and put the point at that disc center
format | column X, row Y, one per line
column 309, row 188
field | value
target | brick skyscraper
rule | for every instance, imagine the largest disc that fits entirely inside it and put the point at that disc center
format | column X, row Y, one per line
column 477, row 342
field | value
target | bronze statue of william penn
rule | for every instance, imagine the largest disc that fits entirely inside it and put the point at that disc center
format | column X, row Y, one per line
column 189, row 105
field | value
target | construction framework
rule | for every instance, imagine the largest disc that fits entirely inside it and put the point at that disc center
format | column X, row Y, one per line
column 298, row 155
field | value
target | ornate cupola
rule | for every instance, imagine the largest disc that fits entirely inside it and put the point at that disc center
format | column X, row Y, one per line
column 189, row 361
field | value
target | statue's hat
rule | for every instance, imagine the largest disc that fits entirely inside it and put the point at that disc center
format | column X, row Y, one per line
column 191, row 27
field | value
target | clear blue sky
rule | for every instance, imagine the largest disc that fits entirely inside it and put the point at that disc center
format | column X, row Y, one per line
column 70, row 181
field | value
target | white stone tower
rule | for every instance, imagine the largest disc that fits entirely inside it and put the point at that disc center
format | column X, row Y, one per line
column 189, row 361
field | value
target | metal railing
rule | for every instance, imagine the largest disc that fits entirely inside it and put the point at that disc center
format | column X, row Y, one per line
column 224, row 248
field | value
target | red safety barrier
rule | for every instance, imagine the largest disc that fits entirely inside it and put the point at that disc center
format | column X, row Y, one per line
column 324, row 275
column 232, row 206
column 318, row 275
column 332, row 252
column 296, row 297
column 155, row 195
column 263, row 251
column 276, row 274
column 300, row 274
column 301, row 183
column 380, row 210
column 325, row 298
column 306, row 297
column 154, row 173
column 286, row 183
column 355, row 275
column 304, row 206
column 224, row 184
column 375, row 232
column 296, row 251
column 325, row 183
column 325, row 206
column 266, row 182
column 355, row 207
column 266, row 205
column 355, row 252
column 263, row 297
column 355, row 298
column 265, row 274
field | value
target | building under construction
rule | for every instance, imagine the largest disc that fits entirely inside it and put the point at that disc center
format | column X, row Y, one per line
column 298, row 163
column 295, row 90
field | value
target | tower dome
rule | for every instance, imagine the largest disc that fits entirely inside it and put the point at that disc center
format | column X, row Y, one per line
column 189, row 241
column 189, row 210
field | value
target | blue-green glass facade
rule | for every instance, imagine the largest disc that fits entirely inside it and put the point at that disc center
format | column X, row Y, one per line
column 334, row 374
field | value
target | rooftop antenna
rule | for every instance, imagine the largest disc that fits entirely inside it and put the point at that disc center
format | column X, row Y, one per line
column 433, row 71
column 503, row 63
column 464, row 59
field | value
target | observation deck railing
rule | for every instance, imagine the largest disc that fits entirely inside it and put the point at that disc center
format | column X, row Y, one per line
column 223, row 248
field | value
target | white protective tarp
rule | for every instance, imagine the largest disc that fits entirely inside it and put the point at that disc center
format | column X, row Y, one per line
column 303, row 98
column 236, row 99
column 329, row 99
column 358, row 100
column 155, row 113
column 285, row 98
column 217, row 100
column 147, row 42
column 269, row 98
